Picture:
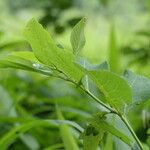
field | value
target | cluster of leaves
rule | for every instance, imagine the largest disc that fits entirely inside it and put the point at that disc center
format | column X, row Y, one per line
column 116, row 93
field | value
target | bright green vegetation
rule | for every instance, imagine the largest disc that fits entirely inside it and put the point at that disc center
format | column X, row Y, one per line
column 75, row 78
column 117, row 92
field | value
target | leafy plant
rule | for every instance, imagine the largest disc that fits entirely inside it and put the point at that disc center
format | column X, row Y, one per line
column 117, row 93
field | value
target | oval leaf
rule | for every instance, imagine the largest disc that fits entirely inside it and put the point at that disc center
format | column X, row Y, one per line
column 49, row 53
column 115, row 89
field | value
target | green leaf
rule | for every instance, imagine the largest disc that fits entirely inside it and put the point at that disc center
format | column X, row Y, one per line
column 24, row 61
column 87, row 65
column 67, row 137
column 94, row 132
column 13, row 43
column 109, row 142
column 115, row 89
column 47, row 52
column 54, row 147
column 25, row 55
column 77, row 37
column 148, row 131
column 92, row 137
column 15, row 132
column 99, row 121
column 140, row 87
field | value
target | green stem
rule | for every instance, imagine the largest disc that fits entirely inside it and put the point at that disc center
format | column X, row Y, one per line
column 99, row 101
column 111, row 111
column 131, row 131
column 120, row 115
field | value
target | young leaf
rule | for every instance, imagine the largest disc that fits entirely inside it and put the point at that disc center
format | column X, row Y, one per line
column 77, row 37
column 47, row 52
column 140, row 87
column 115, row 89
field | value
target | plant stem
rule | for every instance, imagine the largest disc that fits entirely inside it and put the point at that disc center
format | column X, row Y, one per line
column 123, row 118
column 131, row 130
column 120, row 115
column 117, row 113
column 99, row 101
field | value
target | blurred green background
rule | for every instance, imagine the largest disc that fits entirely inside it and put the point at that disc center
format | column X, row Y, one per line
column 31, row 95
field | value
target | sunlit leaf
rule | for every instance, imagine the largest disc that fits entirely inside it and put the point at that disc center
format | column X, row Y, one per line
column 115, row 89
column 48, row 53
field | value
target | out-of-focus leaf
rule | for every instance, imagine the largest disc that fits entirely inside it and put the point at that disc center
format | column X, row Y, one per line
column 10, row 44
column 6, row 103
column 10, row 136
column 140, row 87
column 135, row 147
column 113, row 51
column 54, row 147
column 30, row 141
column 77, row 37
column 148, row 131
column 109, row 142
column 67, row 137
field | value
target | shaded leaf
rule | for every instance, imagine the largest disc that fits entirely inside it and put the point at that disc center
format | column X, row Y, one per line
column 91, row 138
column 99, row 121
column 140, row 87
column 87, row 65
